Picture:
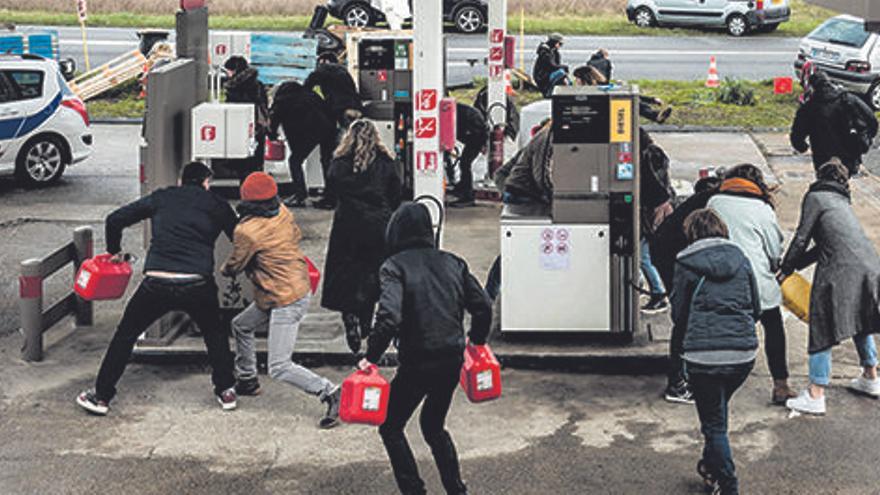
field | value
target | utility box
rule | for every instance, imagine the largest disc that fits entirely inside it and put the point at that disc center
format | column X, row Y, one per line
column 226, row 44
column 573, row 267
column 223, row 130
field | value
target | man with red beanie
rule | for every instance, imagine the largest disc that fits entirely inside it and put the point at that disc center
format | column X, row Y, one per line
column 267, row 249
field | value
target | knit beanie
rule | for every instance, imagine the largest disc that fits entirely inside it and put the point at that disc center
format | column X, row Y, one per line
column 258, row 186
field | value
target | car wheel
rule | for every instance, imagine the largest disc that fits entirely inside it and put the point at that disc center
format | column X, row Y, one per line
column 737, row 25
column 41, row 162
column 469, row 19
column 874, row 96
column 358, row 16
column 644, row 18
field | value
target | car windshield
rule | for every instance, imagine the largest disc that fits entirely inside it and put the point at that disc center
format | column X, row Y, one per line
column 841, row 32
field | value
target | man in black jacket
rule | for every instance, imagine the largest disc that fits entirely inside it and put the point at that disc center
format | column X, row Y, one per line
column 472, row 131
column 602, row 63
column 338, row 89
column 307, row 122
column 549, row 70
column 185, row 223
column 243, row 86
column 838, row 124
column 425, row 292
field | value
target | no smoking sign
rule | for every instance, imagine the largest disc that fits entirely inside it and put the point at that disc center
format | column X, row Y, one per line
column 426, row 127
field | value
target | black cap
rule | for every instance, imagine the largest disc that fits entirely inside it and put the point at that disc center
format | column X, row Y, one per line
column 236, row 64
column 195, row 173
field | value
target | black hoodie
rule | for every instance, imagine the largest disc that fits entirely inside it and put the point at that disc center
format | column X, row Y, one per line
column 549, row 61
column 425, row 292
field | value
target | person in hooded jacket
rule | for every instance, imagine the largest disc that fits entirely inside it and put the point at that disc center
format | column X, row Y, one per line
column 307, row 122
column 338, row 88
column 266, row 247
column 715, row 300
column 364, row 176
column 425, row 293
column 243, row 86
column 845, row 296
column 511, row 122
column 602, row 63
column 745, row 203
column 549, row 71
column 837, row 124
column 656, row 194
column 473, row 132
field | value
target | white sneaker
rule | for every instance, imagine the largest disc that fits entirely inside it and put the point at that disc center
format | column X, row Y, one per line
column 807, row 405
column 866, row 386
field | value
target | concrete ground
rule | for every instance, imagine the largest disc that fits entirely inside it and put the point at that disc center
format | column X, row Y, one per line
column 552, row 432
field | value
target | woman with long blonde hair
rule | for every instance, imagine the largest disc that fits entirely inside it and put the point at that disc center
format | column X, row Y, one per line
column 364, row 178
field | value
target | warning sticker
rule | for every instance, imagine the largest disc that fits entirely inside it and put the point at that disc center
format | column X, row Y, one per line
column 555, row 251
column 426, row 127
column 372, row 396
column 427, row 162
column 496, row 72
column 496, row 54
column 485, row 380
column 427, row 100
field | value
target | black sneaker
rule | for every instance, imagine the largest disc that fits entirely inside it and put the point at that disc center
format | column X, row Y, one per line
column 250, row 387
column 679, row 394
column 228, row 399
column 295, row 201
column 89, row 401
column 332, row 400
column 657, row 304
column 324, row 204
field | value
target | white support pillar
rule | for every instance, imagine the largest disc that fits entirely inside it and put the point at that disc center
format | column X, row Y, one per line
column 497, row 73
column 428, row 85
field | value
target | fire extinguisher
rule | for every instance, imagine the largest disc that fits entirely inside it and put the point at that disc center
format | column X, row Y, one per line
column 496, row 143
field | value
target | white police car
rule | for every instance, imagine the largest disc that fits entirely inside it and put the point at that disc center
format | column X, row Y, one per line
column 44, row 127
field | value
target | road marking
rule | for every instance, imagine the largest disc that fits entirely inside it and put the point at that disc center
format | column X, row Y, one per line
column 625, row 53
column 100, row 43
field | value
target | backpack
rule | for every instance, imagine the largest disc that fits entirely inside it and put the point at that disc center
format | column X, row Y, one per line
column 859, row 136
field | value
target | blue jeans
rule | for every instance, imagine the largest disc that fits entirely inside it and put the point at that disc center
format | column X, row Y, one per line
column 650, row 271
column 820, row 362
column 713, row 387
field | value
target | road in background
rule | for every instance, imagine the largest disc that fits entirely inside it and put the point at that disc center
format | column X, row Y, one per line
column 675, row 58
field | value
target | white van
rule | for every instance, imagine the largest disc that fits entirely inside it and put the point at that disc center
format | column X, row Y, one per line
column 739, row 17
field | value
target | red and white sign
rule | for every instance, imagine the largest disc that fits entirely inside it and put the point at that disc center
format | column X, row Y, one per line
column 547, row 235
column 496, row 72
column 562, row 235
column 82, row 10
column 496, row 54
column 221, row 50
column 426, row 127
column 497, row 36
column 209, row 133
column 427, row 162
column 427, row 100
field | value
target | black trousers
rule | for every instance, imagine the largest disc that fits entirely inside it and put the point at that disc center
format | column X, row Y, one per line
column 153, row 299
column 648, row 111
column 434, row 383
column 300, row 149
column 465, row 187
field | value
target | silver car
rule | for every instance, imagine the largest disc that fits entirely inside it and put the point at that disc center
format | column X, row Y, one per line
column 850, row 55
column 739, row 17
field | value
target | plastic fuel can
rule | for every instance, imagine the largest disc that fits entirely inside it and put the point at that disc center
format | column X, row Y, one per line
column 365, row 398
column 480, row 374
column 314, row 274
column 100, row 279
column 274, row 151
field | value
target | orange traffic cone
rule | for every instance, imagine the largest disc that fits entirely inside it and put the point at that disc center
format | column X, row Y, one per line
column 508, row 87
column 713, row 81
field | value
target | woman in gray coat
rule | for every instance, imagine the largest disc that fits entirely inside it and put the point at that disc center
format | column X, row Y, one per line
column 846, row 285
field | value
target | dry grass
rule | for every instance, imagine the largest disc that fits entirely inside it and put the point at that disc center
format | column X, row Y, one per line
column 291, row 7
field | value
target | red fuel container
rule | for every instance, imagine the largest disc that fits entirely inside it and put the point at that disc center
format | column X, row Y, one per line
column 314, row 274
column 364, row 398
column 100, row 279
column 480, row 374
column 274, row 151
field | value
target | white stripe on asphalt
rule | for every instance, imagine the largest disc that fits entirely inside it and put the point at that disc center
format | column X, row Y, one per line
column 625, row 53
column 100, row 43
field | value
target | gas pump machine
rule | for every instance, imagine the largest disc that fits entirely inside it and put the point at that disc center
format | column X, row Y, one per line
column 572, row 267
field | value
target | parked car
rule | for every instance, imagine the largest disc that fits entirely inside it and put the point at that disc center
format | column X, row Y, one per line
column 850, row 55
column 739, row 17
column 44, row 127
column 468, row 16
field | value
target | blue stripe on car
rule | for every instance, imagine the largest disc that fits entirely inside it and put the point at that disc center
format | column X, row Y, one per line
column 21, row 126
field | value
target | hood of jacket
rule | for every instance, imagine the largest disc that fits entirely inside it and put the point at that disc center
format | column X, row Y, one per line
column 825, row 91
column 715, row 258
column 243, row 79
column 544, row 48
column 409, row 228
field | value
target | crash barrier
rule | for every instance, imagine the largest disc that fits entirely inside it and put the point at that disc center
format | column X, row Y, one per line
column 119, row 71
column 43, row 43
column 34, row 320
column 277, row 57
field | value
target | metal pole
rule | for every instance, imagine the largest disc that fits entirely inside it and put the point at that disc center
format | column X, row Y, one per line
column 84, row 246
column 30, row 305
column 497, row 103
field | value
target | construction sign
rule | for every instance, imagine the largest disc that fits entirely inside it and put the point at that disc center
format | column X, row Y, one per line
column 82, row 11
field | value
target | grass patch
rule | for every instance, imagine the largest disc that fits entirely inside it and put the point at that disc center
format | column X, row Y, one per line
column 804, row 19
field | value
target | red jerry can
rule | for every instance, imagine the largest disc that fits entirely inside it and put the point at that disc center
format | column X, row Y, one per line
column 480, row 374
column 100, row 279
column 314, row 274
column 274, row 150
column 365, row 397
column 783, row 86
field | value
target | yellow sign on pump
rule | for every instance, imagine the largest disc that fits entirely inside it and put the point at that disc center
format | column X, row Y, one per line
column 621, row 120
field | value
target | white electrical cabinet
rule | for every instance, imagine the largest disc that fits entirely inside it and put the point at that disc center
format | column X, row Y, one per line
column 223, row 130
column 555, row 278
column 225, row 44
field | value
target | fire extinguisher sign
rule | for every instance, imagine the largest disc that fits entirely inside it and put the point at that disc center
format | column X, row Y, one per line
column 427, row 162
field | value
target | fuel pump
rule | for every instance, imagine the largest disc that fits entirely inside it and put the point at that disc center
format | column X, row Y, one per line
column 570, row 268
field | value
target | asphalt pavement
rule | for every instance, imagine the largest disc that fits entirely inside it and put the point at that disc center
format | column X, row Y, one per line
column 676, row 58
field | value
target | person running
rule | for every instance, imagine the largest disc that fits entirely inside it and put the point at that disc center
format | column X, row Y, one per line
column 549, row 71
column 425, row 292
column 845, row 296
column 715, row 299
column 266, row 247
column 745, row 203
column 185, row 222
column 364, row 175
column 243, row 86
column 308, row 123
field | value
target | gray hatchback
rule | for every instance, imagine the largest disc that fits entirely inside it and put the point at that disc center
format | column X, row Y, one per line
column 738, row 17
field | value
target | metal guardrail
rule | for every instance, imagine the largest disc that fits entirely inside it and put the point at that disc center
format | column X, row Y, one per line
column 34, row 320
